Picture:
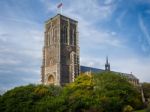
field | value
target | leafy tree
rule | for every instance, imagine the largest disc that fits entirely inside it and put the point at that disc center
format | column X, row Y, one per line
column 115, row 91
column 54, row 100
column 18, row 98
column 26, row 98
column 80, row 93
column 146, row 90
column 148, row 108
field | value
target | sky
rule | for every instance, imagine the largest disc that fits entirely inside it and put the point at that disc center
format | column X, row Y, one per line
column 119, row 29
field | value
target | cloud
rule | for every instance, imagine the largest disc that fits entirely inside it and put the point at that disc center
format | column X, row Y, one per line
column 9, row 61
column 50, row 5
column 11, row 80
column 5, row 71
column 119, row 20
column 28, row 70
column 21, row 41
column 90, row 34
column 146, row 34
column 144, row 29
column 138, row 66
column 83, row 9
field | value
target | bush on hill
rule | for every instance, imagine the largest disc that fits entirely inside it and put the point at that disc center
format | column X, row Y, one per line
column 104, row 92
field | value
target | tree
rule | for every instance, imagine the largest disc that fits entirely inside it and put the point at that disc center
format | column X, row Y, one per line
column 27, row 98
column 114, row 91
column 80, row 94
column 146, row 90
column 148, row 108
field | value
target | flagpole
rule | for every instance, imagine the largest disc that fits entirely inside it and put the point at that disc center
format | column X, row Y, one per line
column 61, row 8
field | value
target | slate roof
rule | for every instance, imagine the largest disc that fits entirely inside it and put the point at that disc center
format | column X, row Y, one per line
column 130, row 76
column 87, row 69
column 96, row 70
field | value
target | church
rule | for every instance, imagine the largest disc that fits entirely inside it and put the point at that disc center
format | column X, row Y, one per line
column 61, row 57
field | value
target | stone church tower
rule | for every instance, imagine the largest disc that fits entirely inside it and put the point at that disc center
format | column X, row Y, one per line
column 61, row 51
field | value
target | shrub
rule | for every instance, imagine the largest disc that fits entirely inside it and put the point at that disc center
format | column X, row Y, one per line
column 148, row 109
column 128, row 108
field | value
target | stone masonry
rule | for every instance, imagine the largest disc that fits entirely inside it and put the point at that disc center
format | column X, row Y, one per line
column 61, row 51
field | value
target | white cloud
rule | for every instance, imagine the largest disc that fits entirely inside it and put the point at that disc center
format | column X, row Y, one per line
column 80, row 8
column 138, row 66
column 9, row 62
column 88, row 33
column 50, row 5
column 30, row 70
column 144, row 29
column 5, row 71
column 119, row 20
column 145, row 38
column 21, row 41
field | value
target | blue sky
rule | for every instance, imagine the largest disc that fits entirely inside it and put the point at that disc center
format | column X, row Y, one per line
column 117, row 28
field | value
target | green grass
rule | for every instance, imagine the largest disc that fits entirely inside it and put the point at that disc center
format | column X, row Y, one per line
column 141, row 110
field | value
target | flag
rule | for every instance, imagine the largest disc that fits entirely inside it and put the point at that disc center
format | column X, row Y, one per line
column 60, row 5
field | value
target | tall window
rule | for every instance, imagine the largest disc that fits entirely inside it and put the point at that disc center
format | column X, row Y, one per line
column 72, row 36
column 48, row 38
column 64, row 34
column 52, row 35
column 55, row 32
